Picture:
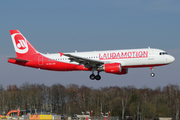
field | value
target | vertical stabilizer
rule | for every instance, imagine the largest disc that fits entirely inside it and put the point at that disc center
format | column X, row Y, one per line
column 21, row 45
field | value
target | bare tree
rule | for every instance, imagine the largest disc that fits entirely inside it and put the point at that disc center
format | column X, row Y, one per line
column 125, row 95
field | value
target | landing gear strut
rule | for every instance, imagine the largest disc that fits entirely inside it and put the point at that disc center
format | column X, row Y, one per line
column 152, row 74
column 92, row 76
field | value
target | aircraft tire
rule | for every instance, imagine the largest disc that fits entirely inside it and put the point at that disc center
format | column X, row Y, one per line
column 92, row 76
column 152, row 74
column 98, row 77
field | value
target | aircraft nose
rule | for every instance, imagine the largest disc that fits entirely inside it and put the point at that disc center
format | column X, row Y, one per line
column 171, row 59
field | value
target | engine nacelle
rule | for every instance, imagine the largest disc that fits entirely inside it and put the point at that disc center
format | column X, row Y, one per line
column 114, row 68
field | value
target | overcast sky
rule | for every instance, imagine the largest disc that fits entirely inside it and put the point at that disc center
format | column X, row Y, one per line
column 66, row 26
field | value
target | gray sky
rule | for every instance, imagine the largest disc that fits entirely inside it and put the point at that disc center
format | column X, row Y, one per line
column 65, row 26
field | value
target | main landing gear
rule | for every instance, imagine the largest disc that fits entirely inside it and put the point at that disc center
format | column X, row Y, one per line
column 97, row 77
column 152, row 74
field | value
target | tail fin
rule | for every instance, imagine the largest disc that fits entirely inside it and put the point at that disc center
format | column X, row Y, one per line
column 21, row 45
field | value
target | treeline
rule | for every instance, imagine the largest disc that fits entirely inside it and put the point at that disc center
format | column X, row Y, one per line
column 73, row 99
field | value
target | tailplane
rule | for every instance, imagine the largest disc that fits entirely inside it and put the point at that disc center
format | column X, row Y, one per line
column 21, row 45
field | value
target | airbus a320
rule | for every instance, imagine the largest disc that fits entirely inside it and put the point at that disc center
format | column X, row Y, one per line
column 111, row 61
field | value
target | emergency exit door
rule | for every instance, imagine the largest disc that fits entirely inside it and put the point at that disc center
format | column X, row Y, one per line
column 40, row 60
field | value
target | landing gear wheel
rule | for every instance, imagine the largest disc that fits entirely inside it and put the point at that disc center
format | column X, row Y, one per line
column 98, row 77
column 92, row 76
column 152, row 74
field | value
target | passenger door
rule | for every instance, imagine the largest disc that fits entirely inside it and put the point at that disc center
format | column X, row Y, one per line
column 150, row 55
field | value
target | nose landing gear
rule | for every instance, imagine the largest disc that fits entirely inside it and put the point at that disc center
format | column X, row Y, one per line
column 152, row 74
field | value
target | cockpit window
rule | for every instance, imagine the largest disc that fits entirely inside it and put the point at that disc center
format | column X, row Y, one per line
column 163, row 53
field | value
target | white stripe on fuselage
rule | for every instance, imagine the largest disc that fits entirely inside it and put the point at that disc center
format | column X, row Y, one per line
column 128, row 57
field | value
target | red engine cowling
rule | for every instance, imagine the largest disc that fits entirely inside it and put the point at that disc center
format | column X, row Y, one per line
column 115, row 68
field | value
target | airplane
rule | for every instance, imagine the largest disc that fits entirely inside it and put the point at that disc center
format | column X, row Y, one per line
column 111, row 61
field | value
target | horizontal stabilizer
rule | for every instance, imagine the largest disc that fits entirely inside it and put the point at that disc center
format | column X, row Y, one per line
column 20, row 60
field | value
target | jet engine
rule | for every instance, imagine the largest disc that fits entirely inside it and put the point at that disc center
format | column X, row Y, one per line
column 114, row 68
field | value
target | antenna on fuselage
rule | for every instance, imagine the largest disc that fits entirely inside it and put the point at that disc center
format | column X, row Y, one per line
column 149, row 47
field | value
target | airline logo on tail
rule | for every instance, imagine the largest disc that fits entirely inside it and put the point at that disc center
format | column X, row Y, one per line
column 20, row 43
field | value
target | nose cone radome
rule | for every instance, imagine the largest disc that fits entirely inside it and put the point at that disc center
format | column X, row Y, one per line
column 171, row 59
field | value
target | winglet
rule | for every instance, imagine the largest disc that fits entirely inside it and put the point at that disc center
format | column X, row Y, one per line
column 61, row 54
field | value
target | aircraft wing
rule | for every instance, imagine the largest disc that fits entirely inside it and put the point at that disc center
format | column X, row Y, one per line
column 84, row 61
